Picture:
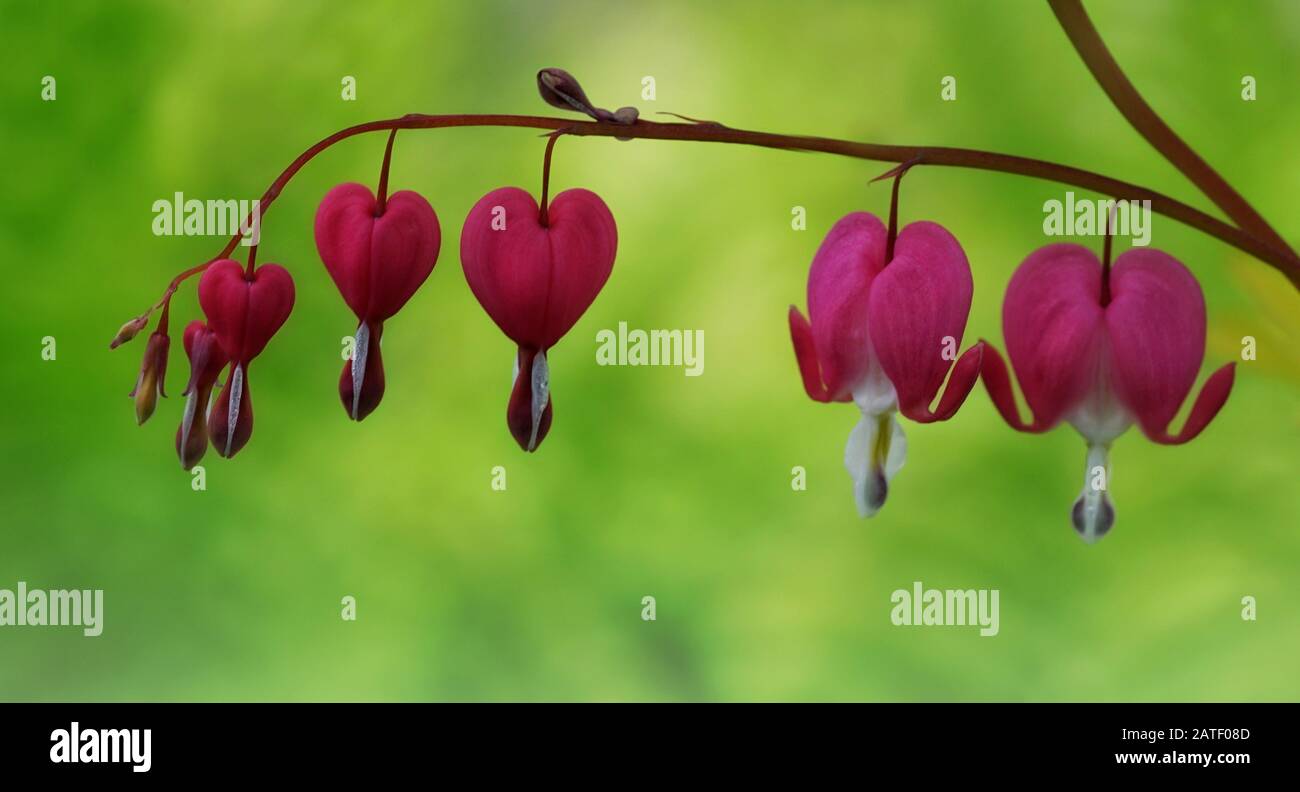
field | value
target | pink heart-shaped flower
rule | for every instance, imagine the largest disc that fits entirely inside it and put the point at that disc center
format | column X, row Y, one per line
column 377, row 261
column 378, row 258
column 536, row 281
column 245, row 310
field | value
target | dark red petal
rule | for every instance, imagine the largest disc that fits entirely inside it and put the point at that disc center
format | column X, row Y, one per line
column 535, row 281
column 207, row 359
column 245, row 312
column 372, row 379
column 344, row 227
column 192, row 439
column 584, row 241
column 377, row 262
column 520, row 410
column 224, row 441
column 405, row 249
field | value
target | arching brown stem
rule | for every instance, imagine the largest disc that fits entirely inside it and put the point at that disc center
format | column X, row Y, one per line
column 1279, row 257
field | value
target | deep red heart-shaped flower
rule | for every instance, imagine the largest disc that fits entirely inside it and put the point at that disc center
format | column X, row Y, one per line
column 378, row 258
column 535, row 280
column 244, row 311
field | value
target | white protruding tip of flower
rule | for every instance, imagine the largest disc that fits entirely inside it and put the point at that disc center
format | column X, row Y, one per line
column 541, row 390
column 187, row 420
column 232, row 412
column 212, row 400
column 359, row 354
column 877, row 448
column 1093, row 515
column 874, row 454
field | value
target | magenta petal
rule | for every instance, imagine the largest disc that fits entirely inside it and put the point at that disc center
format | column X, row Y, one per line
column 964, row 375
column 997, row 381
column 243, row 311
column 206, row 356
column 839, row 284
column 1052, row 321
column 918, row 310
column 536, row 281
column 405, row 250
column 1157, row 322
column 1214, row 393
column 344, row 226
column 805, row 354
column 377, row 262
column 584, row 239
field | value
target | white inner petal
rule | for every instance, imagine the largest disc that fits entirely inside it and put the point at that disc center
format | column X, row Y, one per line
column 875, row 394
column 541, row 382
column 212, row 400
column 1100, row 416
column 359, row 355
column 232, row 412
column 187, row 420
column 873, row 460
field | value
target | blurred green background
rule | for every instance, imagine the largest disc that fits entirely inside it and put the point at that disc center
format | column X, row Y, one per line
column 651, row 483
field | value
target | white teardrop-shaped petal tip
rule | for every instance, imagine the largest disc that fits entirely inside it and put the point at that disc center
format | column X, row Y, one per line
column 872, row 460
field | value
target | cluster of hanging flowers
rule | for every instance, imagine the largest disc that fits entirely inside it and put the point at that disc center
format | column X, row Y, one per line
column 1097, row 346
column 534, row 267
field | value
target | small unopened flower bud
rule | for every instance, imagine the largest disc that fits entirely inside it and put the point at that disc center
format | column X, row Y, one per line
column 560, row 89
column 153, row 370
column 128, row 331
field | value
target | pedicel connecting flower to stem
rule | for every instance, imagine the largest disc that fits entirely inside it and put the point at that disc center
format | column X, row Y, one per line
column 1098, row 347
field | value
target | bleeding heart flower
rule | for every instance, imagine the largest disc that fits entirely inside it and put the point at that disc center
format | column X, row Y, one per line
column 1102, row 349
column 884, row 334
column 207, row 359
column 153, row 370
column 378, row 256
column 535, row 280
column 244, row 310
